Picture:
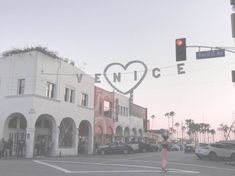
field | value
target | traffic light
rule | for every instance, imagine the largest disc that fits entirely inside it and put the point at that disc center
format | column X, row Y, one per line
column 180, row 48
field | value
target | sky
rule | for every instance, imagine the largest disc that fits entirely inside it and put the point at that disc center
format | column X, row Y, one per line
column 95, row 33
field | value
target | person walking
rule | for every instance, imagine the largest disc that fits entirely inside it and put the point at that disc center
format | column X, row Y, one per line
column 164, row 153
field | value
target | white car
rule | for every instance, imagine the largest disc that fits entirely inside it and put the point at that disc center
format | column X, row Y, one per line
column 215, row 150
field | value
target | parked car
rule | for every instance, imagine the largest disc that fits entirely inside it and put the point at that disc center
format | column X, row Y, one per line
column 139, row 146
column 216, row 151
column 154, row 147
column 174, row 147
column 143, row 147
column 189, row 148
column 115, row 147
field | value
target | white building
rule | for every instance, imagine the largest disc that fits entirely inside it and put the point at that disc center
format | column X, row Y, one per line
column 42, row 102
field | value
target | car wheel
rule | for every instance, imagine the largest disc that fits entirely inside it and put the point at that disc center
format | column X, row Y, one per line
column 102, row 152
column 125, row 151
column 233, row 157
column 212, row 156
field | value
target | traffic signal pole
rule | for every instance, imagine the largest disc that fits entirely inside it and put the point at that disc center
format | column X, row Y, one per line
column 211, row 47
column 180, row 50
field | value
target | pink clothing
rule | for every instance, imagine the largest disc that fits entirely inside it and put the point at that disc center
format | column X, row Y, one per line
column 164, row 157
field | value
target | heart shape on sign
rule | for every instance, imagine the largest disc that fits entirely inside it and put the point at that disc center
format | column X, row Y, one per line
column 108, row 67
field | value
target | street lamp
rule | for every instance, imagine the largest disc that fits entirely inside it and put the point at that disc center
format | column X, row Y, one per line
column 152, row 117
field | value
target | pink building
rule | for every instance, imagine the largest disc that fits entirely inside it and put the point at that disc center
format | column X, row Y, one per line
column 104, row 116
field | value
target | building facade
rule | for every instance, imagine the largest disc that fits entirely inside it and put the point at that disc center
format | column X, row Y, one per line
column 128, row 122
column 44, row 102
column 117, row 118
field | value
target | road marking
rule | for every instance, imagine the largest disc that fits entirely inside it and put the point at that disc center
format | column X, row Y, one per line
column 183, row 164
column 53, row 166
column 121, row 171
column 101, row 164
column 120, row 165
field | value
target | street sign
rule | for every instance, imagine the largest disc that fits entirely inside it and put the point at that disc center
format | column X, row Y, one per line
column 210, row 54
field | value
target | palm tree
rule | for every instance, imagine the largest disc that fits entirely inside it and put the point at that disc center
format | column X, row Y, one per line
column 172, row 130
column 168, row 117
column 196, row 127
column 230, row 129
column 207, row 129
column 189, row 124
column 201, row 131
column 224, row 129
column 212, row 131
column 204, row 127
column 172, row 114
column 177, row 127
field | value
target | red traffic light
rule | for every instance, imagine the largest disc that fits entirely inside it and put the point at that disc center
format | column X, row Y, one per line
column 179, row 42
column 180, row 48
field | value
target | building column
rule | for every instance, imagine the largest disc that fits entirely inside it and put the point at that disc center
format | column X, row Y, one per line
column 76, row 141
column 30, row 142
column 55, row 148
column 91, row 141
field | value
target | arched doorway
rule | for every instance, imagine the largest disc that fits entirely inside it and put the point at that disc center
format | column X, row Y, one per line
column 99, row 135
column 119, row 134
column 127, row 134
column 85, row 137
column 67, row 133
column 44, row 139
column 15, row 130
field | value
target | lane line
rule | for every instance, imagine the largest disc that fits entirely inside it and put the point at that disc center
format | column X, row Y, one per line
column 130, row 171
column 119, row 165
column 101, row 164
column 116, row 171
column 52, row 166
column 183, row 164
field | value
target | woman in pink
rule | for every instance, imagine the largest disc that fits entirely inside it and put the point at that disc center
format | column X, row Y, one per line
column 164, row 153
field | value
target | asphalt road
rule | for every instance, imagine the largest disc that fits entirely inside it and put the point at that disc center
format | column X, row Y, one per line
column 139, row 164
